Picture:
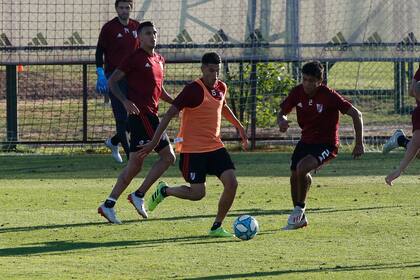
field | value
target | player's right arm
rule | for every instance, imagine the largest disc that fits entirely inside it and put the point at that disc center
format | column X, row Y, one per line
column 285, row 108
column 129, row 106
column 147, row 148
column 101, row 82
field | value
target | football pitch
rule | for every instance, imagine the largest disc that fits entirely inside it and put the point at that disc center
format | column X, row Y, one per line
column 359, row 228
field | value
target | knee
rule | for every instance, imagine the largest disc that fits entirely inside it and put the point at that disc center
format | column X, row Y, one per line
column 301, row 170
column 231, row 185
column 198, row 194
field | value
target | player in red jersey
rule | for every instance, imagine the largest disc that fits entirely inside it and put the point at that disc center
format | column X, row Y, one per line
column 317, row 109
column 143, row 70
column 399, row 139
column 118, row 38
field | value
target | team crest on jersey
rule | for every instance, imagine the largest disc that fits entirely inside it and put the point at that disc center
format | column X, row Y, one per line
column 192, row 175
column 134, row 33
column 126, row 30
column 319, row 108
column 299, row 105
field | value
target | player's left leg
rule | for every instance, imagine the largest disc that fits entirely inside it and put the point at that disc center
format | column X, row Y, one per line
column 106, row 209
column 412, row 150
column 230, row 185
column 166, row 159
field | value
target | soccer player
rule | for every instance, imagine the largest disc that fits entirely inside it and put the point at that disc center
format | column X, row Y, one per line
column 118, row 38
column 143, row 70
column 202, row 103
column 317, row 108
column 412, row 146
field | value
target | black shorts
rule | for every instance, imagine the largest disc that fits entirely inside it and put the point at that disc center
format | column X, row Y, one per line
column 195, row 166
column 142, row 128
column 322, row 152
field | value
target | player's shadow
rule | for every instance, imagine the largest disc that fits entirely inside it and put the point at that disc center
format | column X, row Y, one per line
column 338, row 268
column 56, row 247
column 257, row 212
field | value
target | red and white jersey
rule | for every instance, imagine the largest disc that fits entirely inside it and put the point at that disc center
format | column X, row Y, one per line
column 144, row 74
column 317, row 116
column 118, row 41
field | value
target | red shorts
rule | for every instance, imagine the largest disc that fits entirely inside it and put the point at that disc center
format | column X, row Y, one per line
column 415, row 118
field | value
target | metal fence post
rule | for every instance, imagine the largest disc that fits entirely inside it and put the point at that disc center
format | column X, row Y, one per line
column 85, row 99
column 11, row 105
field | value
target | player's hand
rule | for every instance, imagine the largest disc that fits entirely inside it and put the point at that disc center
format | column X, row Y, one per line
column 392, row 176
column 145, row 149
column 244, row 137
column 131, row 108
column 101, row 83
column 283, row 124
column 358, row 150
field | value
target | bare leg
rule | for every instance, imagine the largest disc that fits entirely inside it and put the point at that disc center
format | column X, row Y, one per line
column 294, row 187
column 166, row 159
column 412, row 150
column 304, row 179
column 195, row 192
column 230, row 184
column 126, row 176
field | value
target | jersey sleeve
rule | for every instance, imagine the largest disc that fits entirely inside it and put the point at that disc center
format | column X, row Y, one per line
column 340, row 102
column 417, row 75
column 102, row 38
column 190, row 97
column 289, row 102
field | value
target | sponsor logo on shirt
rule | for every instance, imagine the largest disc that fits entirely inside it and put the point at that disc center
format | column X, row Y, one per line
column 300, row 105
column 119, row 35
column 319, row 108
column 147, row 65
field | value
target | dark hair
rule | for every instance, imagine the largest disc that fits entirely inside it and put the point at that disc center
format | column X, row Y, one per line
column 130, row 2
column 314, row 69
column 211, row 58
column 145, row 24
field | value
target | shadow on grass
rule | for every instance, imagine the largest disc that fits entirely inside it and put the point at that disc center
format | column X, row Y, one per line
column 257, row 212
column 337, row 268
column 66, row 246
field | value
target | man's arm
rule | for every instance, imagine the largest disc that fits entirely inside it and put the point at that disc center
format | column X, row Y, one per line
column 166, row 96
column 99, row 56
column 101, row 83
column 282, row 121
column 356, row 115
column 129, row 106
column 147, row 148
column 230, row 116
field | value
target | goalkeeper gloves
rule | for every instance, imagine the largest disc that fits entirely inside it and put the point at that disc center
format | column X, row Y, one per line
column 101, row 83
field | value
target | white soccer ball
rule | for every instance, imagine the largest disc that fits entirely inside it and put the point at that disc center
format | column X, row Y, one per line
column 245, row 227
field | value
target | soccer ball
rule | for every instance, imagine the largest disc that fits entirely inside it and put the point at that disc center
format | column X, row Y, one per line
column 245, row 227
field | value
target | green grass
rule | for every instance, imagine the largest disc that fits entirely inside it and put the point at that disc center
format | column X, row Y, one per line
column 359, row 228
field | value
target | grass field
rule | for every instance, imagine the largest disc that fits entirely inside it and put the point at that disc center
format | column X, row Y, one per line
column 359, row 228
